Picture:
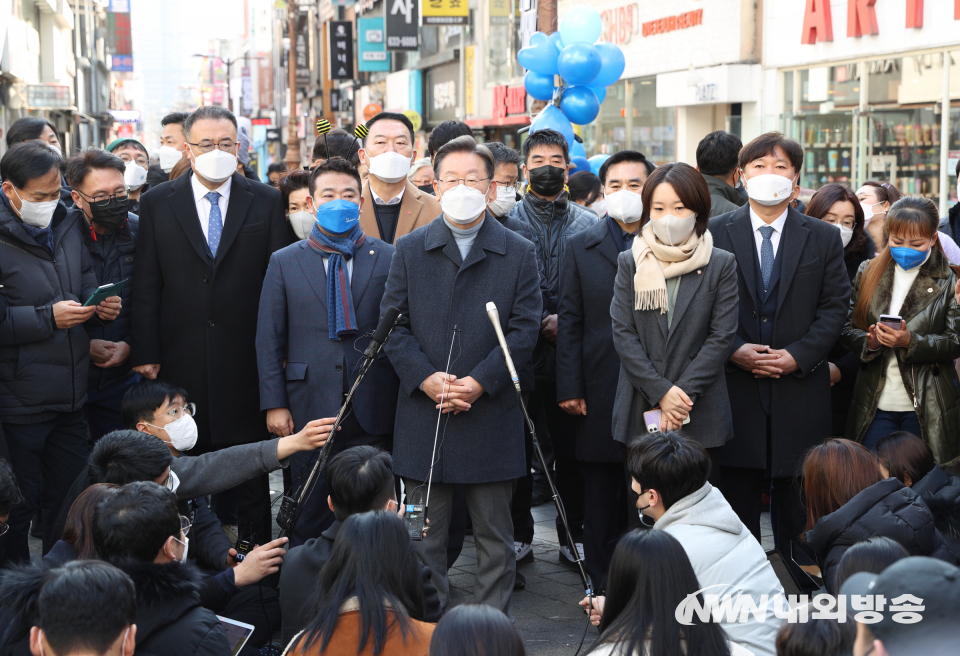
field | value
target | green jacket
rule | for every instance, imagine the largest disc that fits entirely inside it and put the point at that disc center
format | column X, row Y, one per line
column 926, row 366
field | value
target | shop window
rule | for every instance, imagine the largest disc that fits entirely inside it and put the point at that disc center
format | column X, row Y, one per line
column 630, row 120
column 503, row 41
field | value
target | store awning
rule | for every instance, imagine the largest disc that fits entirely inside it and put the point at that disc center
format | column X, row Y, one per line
column 520, row 119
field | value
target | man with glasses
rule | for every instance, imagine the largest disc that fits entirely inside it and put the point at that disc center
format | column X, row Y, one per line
column 136, row 159
column 204, row 244
column 109, row 232
column 441, row 278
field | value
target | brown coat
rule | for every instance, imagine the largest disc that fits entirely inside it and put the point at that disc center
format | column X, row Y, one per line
column 416, row 209
column 346, row 638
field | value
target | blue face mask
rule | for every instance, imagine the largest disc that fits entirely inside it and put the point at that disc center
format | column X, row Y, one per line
column 338, row 216
column 908, row 258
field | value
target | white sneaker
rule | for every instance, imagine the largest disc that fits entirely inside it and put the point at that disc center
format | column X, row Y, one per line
column 567, row 556
column 523, row 551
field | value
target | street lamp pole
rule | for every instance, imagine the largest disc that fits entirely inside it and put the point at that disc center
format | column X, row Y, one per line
column 293, row 141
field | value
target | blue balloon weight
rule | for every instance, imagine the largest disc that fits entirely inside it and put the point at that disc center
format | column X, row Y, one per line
column 551, row 117
column 540, row 56
column 577, row 150
column 580, row 105
column 582, row 24
column 580, row 163
column 578, row 63
column 597, row 161
column 612, row 64
column 538, row 86
column 601, row 93
column 557, row 41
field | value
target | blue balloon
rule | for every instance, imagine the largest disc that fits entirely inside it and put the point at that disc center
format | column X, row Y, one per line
column 551, row 117
column 580, row 105
column 601, row 93
column 577, row 150
column 582, row 24
column 597, row 161
column 557, row 41
column 540, row 56
column 538, row 86
column 579, row 163
column 578, row 63
column 612, row 64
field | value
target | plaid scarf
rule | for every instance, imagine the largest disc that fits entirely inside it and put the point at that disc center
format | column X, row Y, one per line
column 340, row 312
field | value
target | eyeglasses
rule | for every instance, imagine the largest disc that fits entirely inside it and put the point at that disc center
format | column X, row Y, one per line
column 471, row 181
column 4, row 527
column 102, row 200
column 515, row 188
column 176, row 413
column 207, row 146
column 185, row 525
column 140, row 159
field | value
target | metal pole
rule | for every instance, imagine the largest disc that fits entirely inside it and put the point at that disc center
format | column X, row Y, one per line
column 945, row 136
column 293, row 142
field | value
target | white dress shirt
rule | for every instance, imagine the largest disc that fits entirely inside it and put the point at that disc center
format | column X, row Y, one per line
column 203, row 205
column 777, row 226
column 393, row 201
column 346, row 262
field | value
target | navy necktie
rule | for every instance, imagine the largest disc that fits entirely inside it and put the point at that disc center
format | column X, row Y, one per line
column 215, row 229
column 766, row 255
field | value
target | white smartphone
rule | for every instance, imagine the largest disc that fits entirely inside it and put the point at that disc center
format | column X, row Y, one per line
column 651, row 420
column 890, row 321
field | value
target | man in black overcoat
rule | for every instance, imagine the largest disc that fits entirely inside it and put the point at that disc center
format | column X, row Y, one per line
column 441, row 278
column 202, row 253
column 794, row 295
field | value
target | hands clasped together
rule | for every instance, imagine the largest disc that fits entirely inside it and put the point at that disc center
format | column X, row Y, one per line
column 452, row 394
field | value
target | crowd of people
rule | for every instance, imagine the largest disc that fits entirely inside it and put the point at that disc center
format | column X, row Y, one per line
column 696, row 343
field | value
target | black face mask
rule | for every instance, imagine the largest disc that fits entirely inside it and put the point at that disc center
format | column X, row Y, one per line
column 427, row 189
column 110, row 216
column 546, row 180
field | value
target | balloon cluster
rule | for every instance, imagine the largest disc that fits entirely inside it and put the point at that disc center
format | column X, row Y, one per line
column 586, row 67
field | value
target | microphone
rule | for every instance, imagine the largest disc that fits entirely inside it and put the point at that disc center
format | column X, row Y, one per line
column 495, row 320
column 384, row 328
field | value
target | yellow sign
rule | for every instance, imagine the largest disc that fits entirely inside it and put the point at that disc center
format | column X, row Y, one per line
column 445, row 12
column 415, row 118
column 469, row 63
column 499, row 8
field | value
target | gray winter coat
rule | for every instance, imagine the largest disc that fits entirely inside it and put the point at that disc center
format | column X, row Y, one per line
column 436, row 291
column 43, row 369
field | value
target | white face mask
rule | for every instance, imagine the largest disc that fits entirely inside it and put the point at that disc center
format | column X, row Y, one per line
column 846, row 234
column 463, row 204
column 506, row 199
column 182, row 433
column 34, row 214
column 55, row 148
column 173, row 481
column 216, row 166
column 769, row 189
column 868, row 212
column 600, row 207
column 673, row 230
column 186, row 549
column 390, row 166
column 169, row 156
column 302, row 223
column 134, row 176
column 625, row 206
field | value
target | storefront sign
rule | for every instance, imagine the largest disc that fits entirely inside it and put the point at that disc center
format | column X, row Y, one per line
column 119, row 41
column 341, row 50
column 403, row 17
column 246, row 92
column 260, row 121
column 469, row 68
column 125, row 131
column 817, row 22
column 671, row 23
column 861, row 18
column 620, row 24
column 302, row 54
column 373, row 53
column 121, row 63
column 445, row 12
column 48, row 96
column 442, row 93
column 371, row 110
column 509, row 100
column 415, row 118
column 125, row 115
column 264, row 81
column 273, row 134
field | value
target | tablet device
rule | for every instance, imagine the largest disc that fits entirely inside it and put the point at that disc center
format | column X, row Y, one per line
column 237, row 633
column 104, row 292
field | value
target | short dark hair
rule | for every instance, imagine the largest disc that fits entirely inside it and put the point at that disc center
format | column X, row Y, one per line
column 337, row 143
column 904, row 454
column 174, row 118
column 546, row 137
column 84, row 606
column 125, row 456
column 823, row 636
column 688, row 184
column 670, row 463
column 334, row 165
column 292, row 181
column 27, row 128
column 28, row 161
column 209, row 113
column 584, row 187
column 768, row 144
column 391, row 116
column 143, row 400
column 464, row 144
column 717, row 153
column 360, row 479
column 503, row 154
column 444, row 133
column 471, row 629
column 621, row 157
column 135, row 522
column 9, row 492
column 80, row 165
column 872, row 555
column 277, row 167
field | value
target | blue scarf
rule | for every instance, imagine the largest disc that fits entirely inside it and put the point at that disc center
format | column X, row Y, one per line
column 340, row 312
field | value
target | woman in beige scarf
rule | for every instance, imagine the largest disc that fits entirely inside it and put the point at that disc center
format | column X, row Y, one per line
column 674, row 315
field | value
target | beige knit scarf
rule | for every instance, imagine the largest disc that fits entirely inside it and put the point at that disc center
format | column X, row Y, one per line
column 657, row 262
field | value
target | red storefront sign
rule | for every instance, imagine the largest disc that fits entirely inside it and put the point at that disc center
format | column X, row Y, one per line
column 671, row 23
column 509, row 100
column 861, row 18
column 621, row 23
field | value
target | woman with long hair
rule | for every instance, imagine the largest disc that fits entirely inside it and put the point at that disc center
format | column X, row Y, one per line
column 907, row 380
column 77, row 540
column 476, row 630
column 650, row 576
column 848, row 500
column 295, row 187
column 369, row 599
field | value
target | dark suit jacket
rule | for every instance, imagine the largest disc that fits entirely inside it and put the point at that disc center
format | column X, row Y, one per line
column 293, row 328
column 417, row 209
column 197, row 317
column 587, row 362
column 814, row 291
column 436, row 291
